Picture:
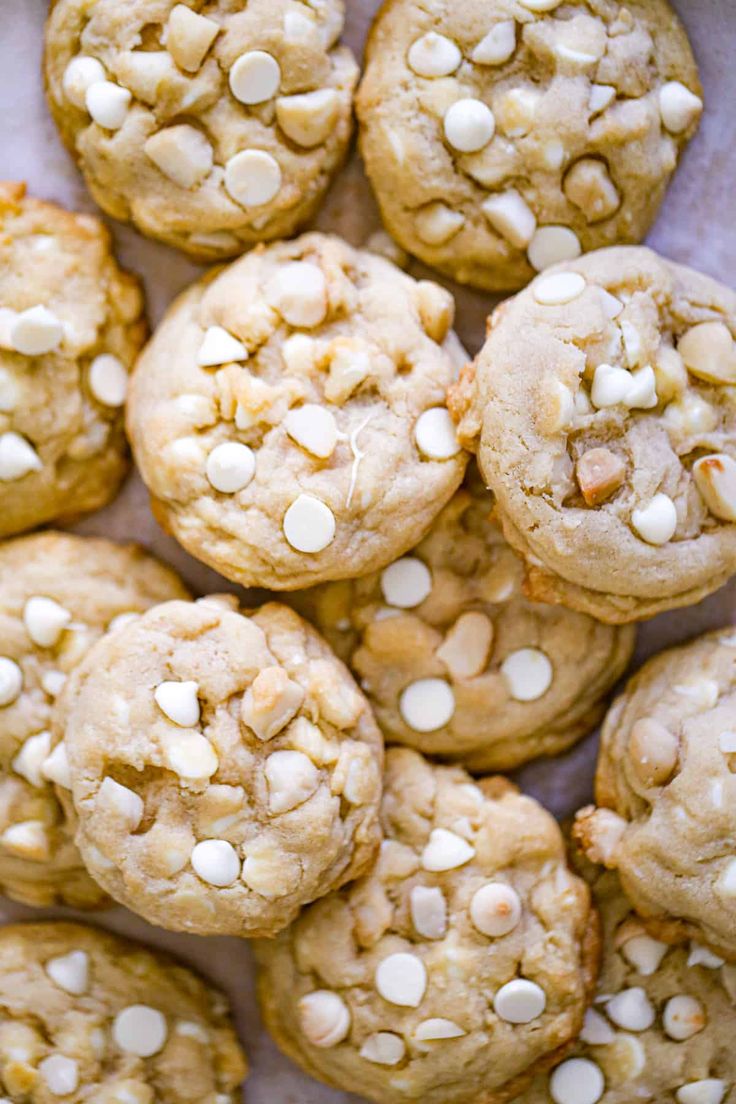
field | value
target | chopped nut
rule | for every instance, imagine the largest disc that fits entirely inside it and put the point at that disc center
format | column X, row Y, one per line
column 436, row 309
column 467, row 645
column 589, row 186
column 715, row 478
column 599, row 473
column 709, row 352
column 653, row 751
column 308, row 117
column 270, row 702
column 339, row 703
column 189, row 37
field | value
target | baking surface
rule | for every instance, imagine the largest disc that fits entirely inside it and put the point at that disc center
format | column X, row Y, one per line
column 696, row 225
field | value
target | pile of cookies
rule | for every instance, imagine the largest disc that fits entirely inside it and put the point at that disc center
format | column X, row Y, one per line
column 454, row 554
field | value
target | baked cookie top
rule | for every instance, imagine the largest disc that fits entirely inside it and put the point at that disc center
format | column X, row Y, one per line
column 504, row 136
column 89, row 1016
column 666, row 791
column 58, row 594
column 452, row 657
column 225, row 768
column 457, row 967
column 71, row 324
column 660, row 1028
column 602, row 407
column 289, row 416
column 209, row 129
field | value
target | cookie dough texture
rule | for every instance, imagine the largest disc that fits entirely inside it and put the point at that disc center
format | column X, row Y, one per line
column 225, row 768
column 602, row 409
column 503, row 136
column 456, row 661
column 456, row 968
column 89, row 1016
column 208, row 125
column 288, row 415
column 660, row 1028
column 71, row 325
column 666, row 793
column 58, row 594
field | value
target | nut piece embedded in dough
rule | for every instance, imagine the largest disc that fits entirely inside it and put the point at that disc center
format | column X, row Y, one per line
column 653, row 750
column 182, row 153
column 308, row 117
column 589, row 186
column 189, row 37
column 715, row 478
column 599, row 473
column 709, row 352
column 467, row 645
column 271, row 702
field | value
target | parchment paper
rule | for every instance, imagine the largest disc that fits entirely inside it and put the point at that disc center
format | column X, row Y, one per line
column 697, row 226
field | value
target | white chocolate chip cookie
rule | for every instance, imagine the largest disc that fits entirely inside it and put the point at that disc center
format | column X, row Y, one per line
column 454, row 970
column 225, row 768
column 88, row 1016
column 660, row 1027
column 455, row 661
column 209, row 127
column 289, row 414
column 58, row 594
column 70, row 327
column 666, row 791
column 503, row 136
column 603, row 409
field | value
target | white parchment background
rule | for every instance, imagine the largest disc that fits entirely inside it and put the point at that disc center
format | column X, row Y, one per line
column 697, row 225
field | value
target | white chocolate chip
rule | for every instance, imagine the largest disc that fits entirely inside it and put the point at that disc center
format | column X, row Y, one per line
column 308, row 118
column 11, row 681
column 708, row 1091
column 182, row 153
column 656, row 522
column 29, row 760
column 60, row 1073
column 601, row 95
column 28, row 839
column 324, row 1018
column 498, row 45
column 253, row 177
column 552, row 244
column 123, row 801
column 726, row 884
column 509, row 214
column 678, row 106
column 644, row 953
column 45, row 620
column 108, row 104
column 427, row 704
column 190, row 755
column 467, row 645
column 642, row 389
column 230, row 467
column 309, row 525
column 80, row 73
column 189, row 37
column 701, row 956
column 715, row 478
column 436, row 224
column 108, row 380
column 577, row 1081
column 140, row 1030
column 541, row 5
column 433, row 55
column 216, row 862
column 631, row 1009
column 683, row 1017
column 446, row 851
column 528, row 674
column 469, row 125
column 255, row 77
column 384, row 1049
column 402, row 979
column 56, row 767
column 558, row 288
column 178, row 701
column 298, row 291
column 438, row 1028
column 292, row 778
column 314, row 428
column 610, row 386
column 495, row 909
column 220, row 347
column 36, row 331
column 428, row 911
column 435, row 434
column 612, row 306
column 406, row 582
column 70, row 972
column 519, row 1001
column 596, row 1029
column 53, row 682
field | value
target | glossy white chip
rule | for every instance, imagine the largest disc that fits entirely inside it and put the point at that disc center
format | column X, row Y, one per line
column 427, row 704
column 406, row 582
column 230, row 467
column 309, row 525
column 435, row 434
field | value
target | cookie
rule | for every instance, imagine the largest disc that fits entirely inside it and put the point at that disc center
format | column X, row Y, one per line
column 502, row 136
column 601, row 406
column 452, row 657
column 207, row 129
column 87, row 1015
column 71, row 324
column 457, row 967
column 666, row 793
column 289, row 414
column 225, row 768
column 58, row 594
column 660, row 1028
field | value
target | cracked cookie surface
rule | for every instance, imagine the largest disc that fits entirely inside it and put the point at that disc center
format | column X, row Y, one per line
column 603, row 409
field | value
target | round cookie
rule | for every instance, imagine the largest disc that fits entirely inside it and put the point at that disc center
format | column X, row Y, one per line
column 502, row 136
column 225, row 768
column 58, row 594
column 459, row 966
column 71, row 324
column 666, row 791
column 208, row 129
column 89, row 1016
column 289, row 416
column 452, row 657
column 602, row 408
column 661, row 1027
